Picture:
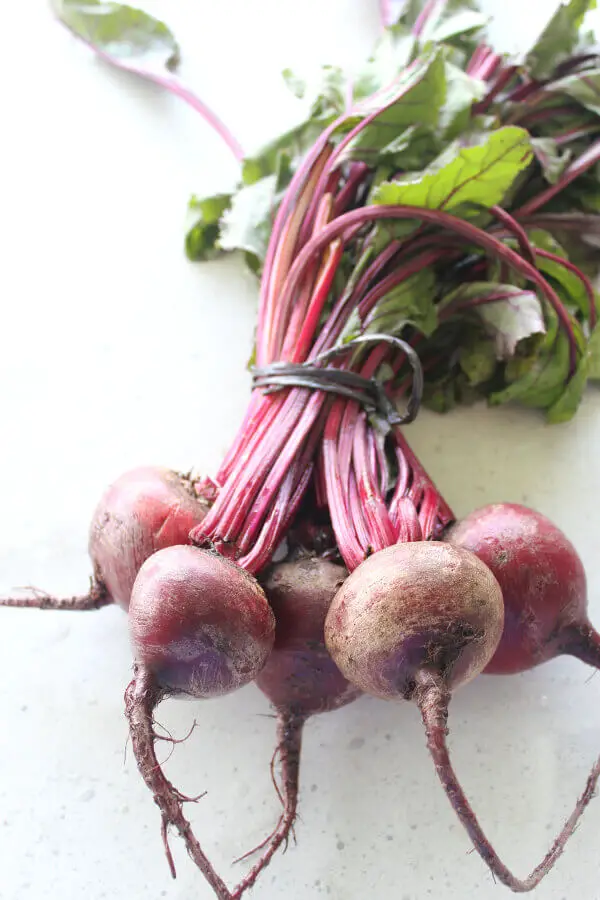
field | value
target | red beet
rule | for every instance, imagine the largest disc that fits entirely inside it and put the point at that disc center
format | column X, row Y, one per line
column 543, row 584
column 144, row 510
column 200, row 626
column 300, row 678
column 415, row 621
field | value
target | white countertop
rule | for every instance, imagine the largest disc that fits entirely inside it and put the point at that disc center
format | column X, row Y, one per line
column 115, row 351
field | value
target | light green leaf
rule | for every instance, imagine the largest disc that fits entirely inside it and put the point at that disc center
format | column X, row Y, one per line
column 479, row 175
column 129, row 37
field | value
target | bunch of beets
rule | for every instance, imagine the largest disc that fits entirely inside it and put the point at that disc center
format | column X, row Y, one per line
column 425, row 235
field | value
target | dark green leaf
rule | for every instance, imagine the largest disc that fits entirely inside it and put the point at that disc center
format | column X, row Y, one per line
column 129, row 37
column 201, row 241
column 559, row 38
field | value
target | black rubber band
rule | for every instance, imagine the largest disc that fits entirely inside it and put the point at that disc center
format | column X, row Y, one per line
column 366, row 391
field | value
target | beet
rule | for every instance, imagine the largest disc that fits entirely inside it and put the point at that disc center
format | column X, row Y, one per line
column 300, row 678
column 201, row 627
column 145, row 510
column 543, row 584
column 415, row 621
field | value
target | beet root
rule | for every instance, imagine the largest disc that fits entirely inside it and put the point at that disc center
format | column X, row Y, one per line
column 201, row 627
column 412, row 608
column 415, row 621
column 145, row 510
column 543, row 583
column 300, row 678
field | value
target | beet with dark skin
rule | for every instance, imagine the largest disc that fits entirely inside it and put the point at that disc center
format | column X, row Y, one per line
column 300, row 678
column 201, row 627
column 416, row 621
column 145, row 510
column 543, row 584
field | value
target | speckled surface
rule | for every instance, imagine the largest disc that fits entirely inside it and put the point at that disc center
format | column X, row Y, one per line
column 114, row 351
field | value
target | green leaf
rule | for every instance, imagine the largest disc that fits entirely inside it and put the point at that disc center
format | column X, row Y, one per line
column 294, row 83
column 509, row 315
column 411, row 149
column 477, row 359
column 392, row 54
column 478, row 175
column 593, row 354
column 551, row 160
column 415, row 98
column 246, row 224
column 201, row 241
column 563, row 409
column 569, row 287
column 409, row 303
column 542, row 379
column 584, row 87
column 129, row 37
column 447, row 20
column 293, row 144
column 462, row 92
column 559, row 38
